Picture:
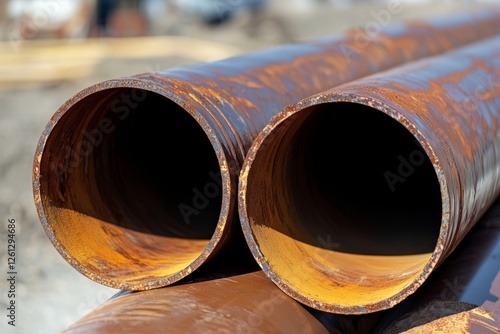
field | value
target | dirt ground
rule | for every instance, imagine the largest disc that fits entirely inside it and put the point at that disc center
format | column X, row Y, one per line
column 50, row 294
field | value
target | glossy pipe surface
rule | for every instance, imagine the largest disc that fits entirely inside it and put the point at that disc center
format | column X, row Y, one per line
column 233, row 299
column 135, row 179
column 350, row 198
column 244, row 303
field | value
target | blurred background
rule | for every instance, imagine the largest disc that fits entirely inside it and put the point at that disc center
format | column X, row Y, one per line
column 51, row 49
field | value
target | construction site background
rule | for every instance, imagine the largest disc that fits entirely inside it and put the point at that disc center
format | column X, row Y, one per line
column 51, row 49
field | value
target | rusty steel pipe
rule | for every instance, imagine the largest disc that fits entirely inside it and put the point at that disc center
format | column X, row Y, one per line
column 458, row 297
column 124, row 217
column 463, row 294
column 242, row 303
column 233, row 299
column 350, row 198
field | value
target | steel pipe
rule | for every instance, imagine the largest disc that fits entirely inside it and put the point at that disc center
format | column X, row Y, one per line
column 350, row 198
column 135, row 179
column 227, row 298
column 237, row 303
column 463, row 294
column 465, row 287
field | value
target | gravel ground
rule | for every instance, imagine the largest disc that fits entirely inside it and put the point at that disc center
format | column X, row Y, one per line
column 50, row 294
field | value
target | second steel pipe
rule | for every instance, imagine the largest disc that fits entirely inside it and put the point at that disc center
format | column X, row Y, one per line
column 350, row 198
column 135, row 179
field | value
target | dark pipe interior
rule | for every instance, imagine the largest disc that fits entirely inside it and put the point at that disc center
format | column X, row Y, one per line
column 131, row 184
column 162, row 173
column 365, row 180
column 344, row 197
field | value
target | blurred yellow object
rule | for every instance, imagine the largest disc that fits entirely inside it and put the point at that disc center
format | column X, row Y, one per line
column 44, row 61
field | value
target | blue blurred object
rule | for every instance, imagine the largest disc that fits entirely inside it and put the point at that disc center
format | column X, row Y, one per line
column 215, row 12
column 104, row 9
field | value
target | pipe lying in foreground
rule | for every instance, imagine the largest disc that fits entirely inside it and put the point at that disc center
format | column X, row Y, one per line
column 458, row 297
column 235, row 300
column 230, row 296
column 350, row 198
column 135, row 179
column 244, row 303
column 463, row 294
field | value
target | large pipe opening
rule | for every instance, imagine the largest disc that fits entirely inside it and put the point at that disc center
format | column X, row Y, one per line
column 131, row 186
column 344, row 205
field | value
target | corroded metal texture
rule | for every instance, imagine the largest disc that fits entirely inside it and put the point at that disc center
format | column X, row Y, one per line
column 247, row 303
column 230, row 299
column 135, row 179
column 448, row 317
column 350, row 198
column 463, row 294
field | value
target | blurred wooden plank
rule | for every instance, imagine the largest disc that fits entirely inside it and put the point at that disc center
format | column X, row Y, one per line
column 42, row 61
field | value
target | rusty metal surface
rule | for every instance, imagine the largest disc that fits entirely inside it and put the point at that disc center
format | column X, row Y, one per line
column 135, row 179
column 463, row 294
column 350, row 198
column 233, row 300
column 448, row 317
column 247, row 303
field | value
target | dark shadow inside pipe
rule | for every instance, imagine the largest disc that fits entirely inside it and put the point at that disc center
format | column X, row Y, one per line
column 131, row 183
column 365, row 182
column 345, row 197
column 163, row 175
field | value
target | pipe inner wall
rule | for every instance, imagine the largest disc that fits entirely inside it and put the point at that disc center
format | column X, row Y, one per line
column 135, row 179
column 350, row 198
column 351, row 192
column 135, row 176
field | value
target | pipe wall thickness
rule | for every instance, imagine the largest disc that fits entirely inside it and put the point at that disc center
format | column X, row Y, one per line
column 135, row 179
column 350, row 198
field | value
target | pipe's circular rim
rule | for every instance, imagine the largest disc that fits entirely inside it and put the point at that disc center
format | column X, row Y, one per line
column 253, row 243
column 190, row 108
